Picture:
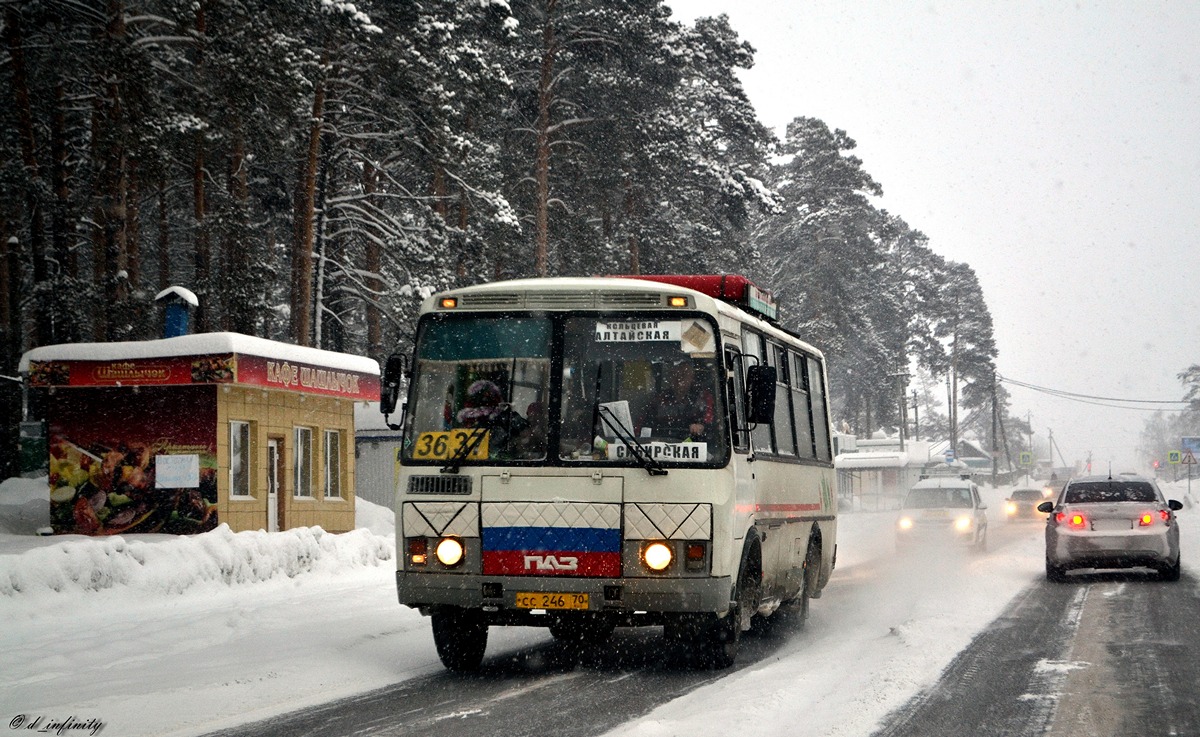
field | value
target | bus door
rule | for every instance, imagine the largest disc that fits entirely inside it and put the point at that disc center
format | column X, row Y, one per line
column 743, row 475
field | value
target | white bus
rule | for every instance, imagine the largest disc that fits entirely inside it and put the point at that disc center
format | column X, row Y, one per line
column 587, row 453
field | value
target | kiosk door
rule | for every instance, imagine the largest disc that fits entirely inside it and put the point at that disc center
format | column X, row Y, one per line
column 273, row 484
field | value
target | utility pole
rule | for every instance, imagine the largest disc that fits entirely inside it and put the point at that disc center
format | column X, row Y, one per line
column 916, row 418
column 901, row 380
column 1032, row 460
column 995, row 422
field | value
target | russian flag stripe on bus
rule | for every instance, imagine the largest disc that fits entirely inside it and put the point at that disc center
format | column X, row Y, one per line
column 551, row 551
column 577, row 539
column 557, row 563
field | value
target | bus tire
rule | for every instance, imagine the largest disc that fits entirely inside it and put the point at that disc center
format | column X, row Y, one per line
column 796, row 609
column 460, row 636
column 723, row 637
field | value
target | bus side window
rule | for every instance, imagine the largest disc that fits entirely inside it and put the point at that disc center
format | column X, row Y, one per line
column 816, row 383
column 736, row 392
column 801, row 405
column 752, row 344
column 785, row 440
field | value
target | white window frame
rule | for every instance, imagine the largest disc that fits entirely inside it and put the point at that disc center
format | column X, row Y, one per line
column 241, row 434
column 332, row 449
column 302, row 445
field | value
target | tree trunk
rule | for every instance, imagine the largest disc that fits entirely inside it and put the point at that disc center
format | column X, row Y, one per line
column 202, row 255
column 631, row 222
column 373, row 265
column 542, row 154
column 111, row 189
column 164, row 237
column 43, row 315
column 302, row 252
column 203, row 250
column 236, row 248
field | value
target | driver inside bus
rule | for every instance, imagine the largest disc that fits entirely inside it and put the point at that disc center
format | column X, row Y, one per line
column 687, row 405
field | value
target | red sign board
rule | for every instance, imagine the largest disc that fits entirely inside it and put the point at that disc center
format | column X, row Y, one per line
column 210, row 369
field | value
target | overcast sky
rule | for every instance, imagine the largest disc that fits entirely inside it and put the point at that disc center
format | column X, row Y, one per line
column 1052, row 146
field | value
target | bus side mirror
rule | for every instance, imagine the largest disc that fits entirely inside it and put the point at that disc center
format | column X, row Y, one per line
column 389, row 390
column 760, row 394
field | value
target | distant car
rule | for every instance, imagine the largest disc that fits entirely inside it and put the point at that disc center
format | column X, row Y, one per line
column 1106, row 522
column 943, row 509
column 1023, row 503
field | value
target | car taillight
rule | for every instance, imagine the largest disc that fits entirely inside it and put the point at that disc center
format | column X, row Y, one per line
column 1146, row 520
column 1165, row 514
column 1076, row 522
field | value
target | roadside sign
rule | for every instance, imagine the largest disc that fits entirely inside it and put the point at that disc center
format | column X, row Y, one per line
column 1192, row 444
column 1189, row 459
column 1026, row 458
column 1174, row 456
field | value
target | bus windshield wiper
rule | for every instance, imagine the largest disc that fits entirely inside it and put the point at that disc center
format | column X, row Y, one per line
column 478, row 433
column 626, row 436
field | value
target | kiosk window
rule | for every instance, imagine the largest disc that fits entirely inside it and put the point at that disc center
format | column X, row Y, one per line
column 239, row 458
column 333, row 464
column 303, row 467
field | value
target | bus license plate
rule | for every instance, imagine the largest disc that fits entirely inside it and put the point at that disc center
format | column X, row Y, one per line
column 544, row 600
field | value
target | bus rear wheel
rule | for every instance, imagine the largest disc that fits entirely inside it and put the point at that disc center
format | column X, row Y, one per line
column 460, row 636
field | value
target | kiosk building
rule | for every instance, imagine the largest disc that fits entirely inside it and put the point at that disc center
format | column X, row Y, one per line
column 181, row 434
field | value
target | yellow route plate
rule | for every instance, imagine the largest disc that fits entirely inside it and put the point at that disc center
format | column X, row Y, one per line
column 548, row 600
column 445, row 445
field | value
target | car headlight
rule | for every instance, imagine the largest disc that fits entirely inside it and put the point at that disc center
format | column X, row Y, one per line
column 1010, row 508
column 904, row 523
column 657, row 556
column 962, row 524
column 449, row 551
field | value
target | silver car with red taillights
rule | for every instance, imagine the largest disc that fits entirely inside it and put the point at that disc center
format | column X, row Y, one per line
column 1106, row 522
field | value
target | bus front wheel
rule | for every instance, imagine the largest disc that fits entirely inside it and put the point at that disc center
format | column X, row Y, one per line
column 460, row 636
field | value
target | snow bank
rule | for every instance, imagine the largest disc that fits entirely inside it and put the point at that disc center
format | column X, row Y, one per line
column 167, row 564
column 178, row 564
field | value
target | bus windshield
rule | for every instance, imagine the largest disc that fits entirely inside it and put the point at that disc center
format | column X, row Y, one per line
column 652, row 383
column 633, row 392
column 482, row 390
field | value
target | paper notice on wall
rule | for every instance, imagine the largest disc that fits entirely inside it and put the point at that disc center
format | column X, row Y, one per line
column 177, row 472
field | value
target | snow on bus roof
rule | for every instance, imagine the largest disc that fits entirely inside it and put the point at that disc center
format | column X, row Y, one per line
column 196, row 345
column 626, row 284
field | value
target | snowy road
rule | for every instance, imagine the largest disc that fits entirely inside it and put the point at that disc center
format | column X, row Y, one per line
column 169, row 636
column 546, row 689
column 1105, row 655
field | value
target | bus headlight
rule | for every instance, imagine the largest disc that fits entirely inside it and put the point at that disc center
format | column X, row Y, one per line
column 449, row 551
column 962, row 524
column 657, row 556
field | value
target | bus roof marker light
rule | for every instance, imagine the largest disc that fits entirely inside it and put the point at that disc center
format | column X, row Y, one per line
column 449, row 303
column 677, row 301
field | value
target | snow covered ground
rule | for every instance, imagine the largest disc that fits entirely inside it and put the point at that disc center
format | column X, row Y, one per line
column 159, row 635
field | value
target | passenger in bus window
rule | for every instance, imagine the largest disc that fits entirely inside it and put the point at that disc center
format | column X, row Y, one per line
column 687, row 405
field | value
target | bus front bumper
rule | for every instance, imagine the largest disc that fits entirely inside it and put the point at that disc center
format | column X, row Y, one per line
column 423, row 591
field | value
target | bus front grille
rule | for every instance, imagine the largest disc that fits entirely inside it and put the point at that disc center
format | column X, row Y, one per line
column 439, row 484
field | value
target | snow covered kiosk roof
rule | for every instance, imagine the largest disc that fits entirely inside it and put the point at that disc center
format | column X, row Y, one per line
column 204, row 358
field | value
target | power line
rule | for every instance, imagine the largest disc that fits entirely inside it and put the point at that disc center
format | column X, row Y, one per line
column 1098, row 400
